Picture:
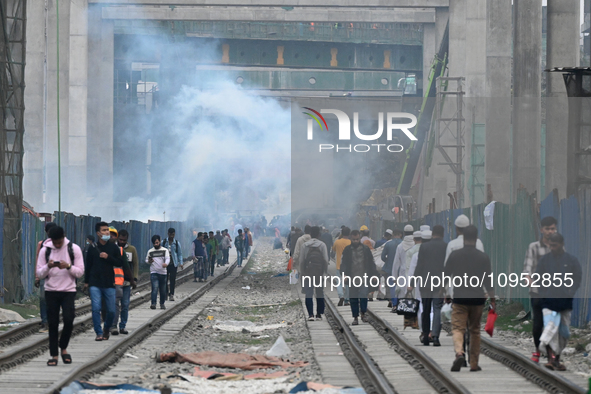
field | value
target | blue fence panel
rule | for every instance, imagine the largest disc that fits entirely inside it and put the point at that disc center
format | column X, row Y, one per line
column 1, row 253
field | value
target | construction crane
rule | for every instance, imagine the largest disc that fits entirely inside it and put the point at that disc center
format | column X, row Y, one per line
column 424, row 120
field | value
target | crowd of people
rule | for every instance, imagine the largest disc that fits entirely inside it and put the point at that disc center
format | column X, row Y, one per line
column 109, row 266
column 423, row 254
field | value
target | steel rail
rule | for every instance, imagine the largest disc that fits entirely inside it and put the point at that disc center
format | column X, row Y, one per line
column 430, row 370
column 369, row 374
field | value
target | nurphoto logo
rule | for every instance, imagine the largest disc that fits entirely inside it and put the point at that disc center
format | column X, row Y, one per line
column 392, row 123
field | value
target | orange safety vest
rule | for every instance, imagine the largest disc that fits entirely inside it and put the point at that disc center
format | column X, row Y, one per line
column 119, row 277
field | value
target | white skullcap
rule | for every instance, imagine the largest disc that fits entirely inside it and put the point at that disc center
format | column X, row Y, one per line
column 408, row 228
column 388, row 231
column 426, row 234
column 425, row 227
column 462, row 221
column 416, row 234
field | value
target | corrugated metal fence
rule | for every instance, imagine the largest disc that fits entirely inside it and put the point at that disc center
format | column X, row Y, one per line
column 78, row 228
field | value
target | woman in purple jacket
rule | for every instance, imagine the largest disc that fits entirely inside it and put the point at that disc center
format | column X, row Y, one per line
column 60, row 262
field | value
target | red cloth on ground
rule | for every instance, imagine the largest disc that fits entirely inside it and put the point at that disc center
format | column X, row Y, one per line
column 229, row 360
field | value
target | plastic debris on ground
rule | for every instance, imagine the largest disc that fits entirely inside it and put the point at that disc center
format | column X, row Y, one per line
column 229, row 360
column 238, row 326
column 279, row 348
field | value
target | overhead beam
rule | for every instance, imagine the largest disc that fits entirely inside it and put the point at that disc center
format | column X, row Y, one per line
column 266, row 14
column 283, row 3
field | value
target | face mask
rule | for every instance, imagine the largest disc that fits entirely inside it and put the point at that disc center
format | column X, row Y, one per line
column 106, row 237
column 87, row 243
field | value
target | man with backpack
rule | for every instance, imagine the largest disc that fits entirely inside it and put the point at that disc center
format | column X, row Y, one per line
column 313, row 261
column 176, row 256
column 60, row 263
column 358, row 261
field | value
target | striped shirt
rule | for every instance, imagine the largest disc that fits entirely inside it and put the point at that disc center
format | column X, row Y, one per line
column 535, row 252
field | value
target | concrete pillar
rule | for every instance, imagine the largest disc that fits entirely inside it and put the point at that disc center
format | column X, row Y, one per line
column 527, row 48
column 33, row 160
column 562, row 51
column 100, row 105
column 498, row 92
column 78, row 70
column 51, row 146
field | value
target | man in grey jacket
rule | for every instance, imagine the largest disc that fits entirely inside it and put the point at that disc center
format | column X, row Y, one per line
column 313, row 262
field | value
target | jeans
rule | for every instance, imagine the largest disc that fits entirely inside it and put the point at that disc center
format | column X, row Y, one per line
column 426, row 317
column 158, row 283
column 239, row 257
column 42, row 302
column 358, row 298
column 226, row 254
column 56, row 300
column 122, row 300
column 246, row 250
column 538, row 320
column 309, row 292
column 462, row 316
column 342, row 290
column 171, row 272
column 97, row 294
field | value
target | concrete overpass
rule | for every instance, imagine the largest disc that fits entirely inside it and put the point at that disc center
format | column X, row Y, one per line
column 93, row 34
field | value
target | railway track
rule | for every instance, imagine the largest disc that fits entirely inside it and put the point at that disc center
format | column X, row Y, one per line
column 85, row 366
column 21, row 345
column 376, row 349
column 31, row 327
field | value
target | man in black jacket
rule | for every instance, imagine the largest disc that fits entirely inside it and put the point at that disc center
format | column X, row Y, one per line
column 468, row 300
column 358, row 261
column 560, row 276
column 100, row 277
column 430, row 263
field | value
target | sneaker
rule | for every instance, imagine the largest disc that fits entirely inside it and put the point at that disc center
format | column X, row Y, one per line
column 393, row 310
column 364, row 318
column 162, row 306
column 115, row 332
column 459, row 362
column 355, row 322
column 341, row 301
column 43, row 328
column 171, row 298
column 311, row 318
column 535, row 357
column 318, row 317
column 123, row 331
column 436, row 341
column 347, row 303
column 153, row 306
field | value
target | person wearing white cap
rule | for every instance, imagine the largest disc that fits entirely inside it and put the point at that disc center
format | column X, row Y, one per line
column 386, row 238
column 411, row 286
column 398, row 267
column 461, row 223
column 402, row 292
column 425, row 227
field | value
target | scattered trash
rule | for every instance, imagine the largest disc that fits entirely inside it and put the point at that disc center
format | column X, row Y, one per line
column 137, row 293
column 281, row 274
column 7, row 316
column 238, row 326
column 313, row 386
column 131, row 356
column 246, row 288
column 209, row 317
column 252, row 349
column 229, row 360
column 279, row 348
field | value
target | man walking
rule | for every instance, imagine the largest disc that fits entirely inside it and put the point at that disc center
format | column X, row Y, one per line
column 534, row 254
column 338, row 247
column 400, row 261
column 313, row 265
column 130, row 276
column 239, row 244
column 557, row 298
column 386, row 238
column 158, row 258
column 100, row 278
column 199, row 259
column 213, row 249
column 176, row 256
column 388, row 254
column 357, row 262
column 429, row 264
column 226, row 245
column 461, row 223
column 468, row 301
